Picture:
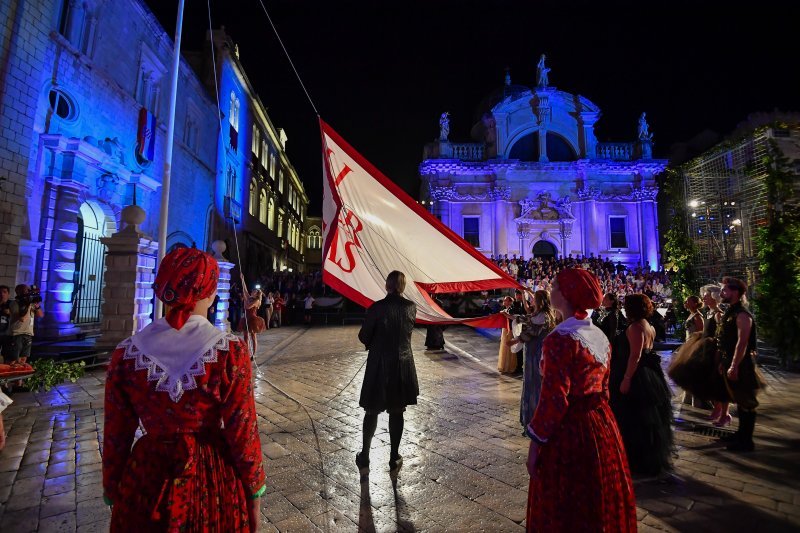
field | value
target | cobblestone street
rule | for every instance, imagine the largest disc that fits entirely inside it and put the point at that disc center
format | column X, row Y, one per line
column 464, row 453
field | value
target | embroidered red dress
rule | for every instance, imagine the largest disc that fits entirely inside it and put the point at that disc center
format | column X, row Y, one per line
column 582, row 481
column 200, row 458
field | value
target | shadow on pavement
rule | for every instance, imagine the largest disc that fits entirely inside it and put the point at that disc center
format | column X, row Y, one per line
column 691, row 505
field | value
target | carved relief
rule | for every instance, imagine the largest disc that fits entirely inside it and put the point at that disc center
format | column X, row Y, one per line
column 543, row 208
column 451, row 194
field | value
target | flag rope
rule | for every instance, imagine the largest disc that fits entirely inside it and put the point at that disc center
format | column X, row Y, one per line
column 286, row 52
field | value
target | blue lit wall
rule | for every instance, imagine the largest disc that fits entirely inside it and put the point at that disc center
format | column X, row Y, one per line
column 85, row 150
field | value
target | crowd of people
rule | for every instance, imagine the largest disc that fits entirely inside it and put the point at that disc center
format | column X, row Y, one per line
column 538, row 273
column 272, row 299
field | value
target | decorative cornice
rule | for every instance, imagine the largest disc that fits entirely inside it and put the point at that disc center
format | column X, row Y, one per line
column 498, row 192
column 640, row 194
column 452, row 166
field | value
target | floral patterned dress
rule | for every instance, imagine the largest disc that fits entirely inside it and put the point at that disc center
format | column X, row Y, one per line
column 582, row 481
column 200, row 457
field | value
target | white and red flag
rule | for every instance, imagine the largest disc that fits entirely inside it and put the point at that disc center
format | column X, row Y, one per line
column 371, row 227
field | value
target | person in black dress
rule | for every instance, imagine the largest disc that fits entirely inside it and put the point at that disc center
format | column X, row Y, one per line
column 390, row 380
column 640, row 396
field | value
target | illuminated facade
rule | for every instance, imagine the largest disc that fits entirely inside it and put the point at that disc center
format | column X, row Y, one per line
column 84, row 109
column 539, row 183
column 258, row 183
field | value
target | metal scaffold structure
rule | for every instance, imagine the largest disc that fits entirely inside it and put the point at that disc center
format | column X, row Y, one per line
column 727, row 202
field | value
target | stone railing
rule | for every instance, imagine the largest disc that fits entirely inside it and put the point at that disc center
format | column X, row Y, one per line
column 467, row 151
column 615, row 151
column 448, row 150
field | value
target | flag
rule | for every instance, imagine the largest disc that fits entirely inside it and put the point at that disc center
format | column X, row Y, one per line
column 370, row 227
column 146, row 136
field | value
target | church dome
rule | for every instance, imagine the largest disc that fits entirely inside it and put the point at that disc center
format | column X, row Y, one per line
column 497, row 96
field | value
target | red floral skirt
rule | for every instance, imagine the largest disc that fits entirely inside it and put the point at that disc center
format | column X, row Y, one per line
column 582, row 480
column 179, row 483
column 255, row 324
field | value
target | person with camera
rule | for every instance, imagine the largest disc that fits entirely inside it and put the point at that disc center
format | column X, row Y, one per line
column 5, row 323
column 26, row 308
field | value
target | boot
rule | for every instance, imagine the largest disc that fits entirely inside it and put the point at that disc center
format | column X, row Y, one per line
column 747, row 424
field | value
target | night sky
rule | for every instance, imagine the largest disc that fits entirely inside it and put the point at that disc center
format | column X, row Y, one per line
column 381, row 72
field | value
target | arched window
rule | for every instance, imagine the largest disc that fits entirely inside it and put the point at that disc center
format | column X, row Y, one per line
column 253, row 206
column 271, row 214
column 262, row 211
column 233, row 112
column 314, row 238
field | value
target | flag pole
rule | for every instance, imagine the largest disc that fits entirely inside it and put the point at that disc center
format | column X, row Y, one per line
column 165, row 184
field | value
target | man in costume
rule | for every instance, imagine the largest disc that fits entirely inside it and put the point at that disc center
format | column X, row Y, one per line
column 390, row 380
column 737, row 345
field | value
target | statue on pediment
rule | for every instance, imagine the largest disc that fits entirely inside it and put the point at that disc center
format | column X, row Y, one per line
column 444, row 126
column 644, row 128
column 542, row 79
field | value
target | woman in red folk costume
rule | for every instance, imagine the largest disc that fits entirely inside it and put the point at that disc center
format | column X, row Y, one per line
column 198, row 465
column 580, row 479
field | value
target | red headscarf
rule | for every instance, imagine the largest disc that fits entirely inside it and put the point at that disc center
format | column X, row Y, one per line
column 581, row 289
column 185, row 276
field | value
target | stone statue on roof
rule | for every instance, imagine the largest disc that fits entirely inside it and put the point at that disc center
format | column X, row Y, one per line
column 644, row 129
column 444, row 126
column 541, row 73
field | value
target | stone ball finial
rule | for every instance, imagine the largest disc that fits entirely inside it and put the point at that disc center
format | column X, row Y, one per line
column 133, row 215
column 218, row 247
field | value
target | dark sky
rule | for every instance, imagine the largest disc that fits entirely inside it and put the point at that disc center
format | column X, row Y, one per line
column 381, row 71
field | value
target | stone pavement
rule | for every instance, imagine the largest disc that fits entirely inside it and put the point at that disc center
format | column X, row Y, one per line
column 464, row 454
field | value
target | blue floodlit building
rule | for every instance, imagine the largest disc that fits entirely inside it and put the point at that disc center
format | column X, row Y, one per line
column 83, row 112
column 537, row 181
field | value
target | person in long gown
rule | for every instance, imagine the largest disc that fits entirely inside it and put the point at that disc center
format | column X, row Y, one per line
column 251, row 323
column 717, row 392
column 506, row 361
column 539, row 324
column 695, row 365
column 694, row 322
column 580, row 479
column 640, row 396
column 198, row 465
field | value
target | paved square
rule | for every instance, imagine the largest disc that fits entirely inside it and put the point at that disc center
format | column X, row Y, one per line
column 464, row 453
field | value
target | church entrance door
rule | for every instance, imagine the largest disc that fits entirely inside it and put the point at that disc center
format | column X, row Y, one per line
column 544, row 249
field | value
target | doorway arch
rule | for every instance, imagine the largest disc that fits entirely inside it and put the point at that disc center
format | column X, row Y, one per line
column 90, row 258
column 544, row 249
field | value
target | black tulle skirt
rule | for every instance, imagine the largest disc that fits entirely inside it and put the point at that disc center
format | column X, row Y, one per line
column 695, row 369
column 644, row 415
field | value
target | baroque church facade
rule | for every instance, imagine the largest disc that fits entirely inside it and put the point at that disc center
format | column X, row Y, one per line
column 538, row 183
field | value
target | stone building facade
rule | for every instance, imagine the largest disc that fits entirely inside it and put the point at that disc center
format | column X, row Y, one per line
column 83, row 112
column 257, row 182
column 538, row 182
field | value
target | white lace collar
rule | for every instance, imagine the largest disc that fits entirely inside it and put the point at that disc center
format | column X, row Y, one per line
column 590, row 336
column 174, row 357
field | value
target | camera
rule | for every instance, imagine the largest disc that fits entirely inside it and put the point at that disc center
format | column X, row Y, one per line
column 33, row 296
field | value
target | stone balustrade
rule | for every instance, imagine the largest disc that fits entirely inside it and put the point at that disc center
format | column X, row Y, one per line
column 615, row 151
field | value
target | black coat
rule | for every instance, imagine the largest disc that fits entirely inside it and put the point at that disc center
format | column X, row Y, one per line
column 390, row 381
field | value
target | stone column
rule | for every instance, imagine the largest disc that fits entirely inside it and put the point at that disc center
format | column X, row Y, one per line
column 221, row 320
column 128, row 291
column 59, row 264
column 501, row 227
